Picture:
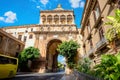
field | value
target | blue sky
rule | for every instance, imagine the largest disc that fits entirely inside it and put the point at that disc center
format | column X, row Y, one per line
column 61, row 59
column 23, row 12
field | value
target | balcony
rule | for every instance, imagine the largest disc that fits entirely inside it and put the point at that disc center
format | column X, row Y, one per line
column 90, row 51
column 101, row 43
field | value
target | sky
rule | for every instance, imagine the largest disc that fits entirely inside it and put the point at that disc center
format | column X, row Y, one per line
column 61, row 59
column 25, row 12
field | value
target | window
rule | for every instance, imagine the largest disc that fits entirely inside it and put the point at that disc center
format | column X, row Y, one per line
column 31, row 29
column 18, row 47
column 101, row 33
column 62, row 19
column 26, row 31
column 112, row 1
column 1, row 39
column 96, row 11
column 69, row 19
column 31, row 36
column 118, row 4
column 91, row 44
column 56, row 19
column 25, row 38
column 49, row 19
column 88, row 27
column 43, row 19
column 5, row 60
column 20, row 37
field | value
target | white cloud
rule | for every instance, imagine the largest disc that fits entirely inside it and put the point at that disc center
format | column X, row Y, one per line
column 76, row 3
column 9, row 17
column 38, row 7
column 82, row 4
column 1, row 18
column 44, row 2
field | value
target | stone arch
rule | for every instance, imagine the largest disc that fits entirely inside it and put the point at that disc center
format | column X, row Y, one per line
column 43, row 19
column 62, row 19
column 56, row 19
column 69, row 19
column 52, row 54
column 49, row 19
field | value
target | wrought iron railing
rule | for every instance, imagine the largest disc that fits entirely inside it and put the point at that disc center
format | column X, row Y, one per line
column 101, row 43
column 90, row 51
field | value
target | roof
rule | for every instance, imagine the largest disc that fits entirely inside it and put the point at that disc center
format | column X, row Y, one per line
column 59, row 7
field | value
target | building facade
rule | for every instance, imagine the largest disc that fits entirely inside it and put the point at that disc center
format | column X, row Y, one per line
column 93, row 27
column 55, row 27
column 10, row 45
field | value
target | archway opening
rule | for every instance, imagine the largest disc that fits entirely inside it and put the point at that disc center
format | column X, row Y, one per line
column 52, row 55
column 61, row 63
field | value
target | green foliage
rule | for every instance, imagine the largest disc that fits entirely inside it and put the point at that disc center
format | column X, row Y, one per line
column 109, row 68
column 84, row 66
column 114, row 31
column 29, row 53
column 60, row 65
column 69, row 51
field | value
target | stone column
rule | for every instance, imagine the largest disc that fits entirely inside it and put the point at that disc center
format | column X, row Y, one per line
column 73, row 19
column 59, row 20
column 46, row 20
column 65, row 19
column 50, row 59
column 40, row 20
column 53, row 22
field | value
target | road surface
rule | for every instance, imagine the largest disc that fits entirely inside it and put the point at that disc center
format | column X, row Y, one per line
column 39, row 76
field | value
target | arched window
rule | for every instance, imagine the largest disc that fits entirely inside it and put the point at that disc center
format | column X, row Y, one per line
column 56, row 19
column 62, row 19
column 31, row 29
column 20, row 37
column 43, row 19
column 30, row 36
column 69, row 19
column 49, row 19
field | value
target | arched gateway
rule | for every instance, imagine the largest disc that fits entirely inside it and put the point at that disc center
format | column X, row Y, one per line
column 55, row 26
column 52, row 54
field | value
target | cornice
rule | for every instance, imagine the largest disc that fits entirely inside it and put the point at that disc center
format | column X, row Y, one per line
column 54, row 11
column 56, row 32
column 10, row 36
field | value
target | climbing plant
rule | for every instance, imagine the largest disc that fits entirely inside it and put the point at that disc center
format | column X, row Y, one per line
column 113, row 32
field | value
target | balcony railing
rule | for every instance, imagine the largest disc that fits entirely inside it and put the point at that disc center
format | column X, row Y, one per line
column 90, row 51
column 101, row 43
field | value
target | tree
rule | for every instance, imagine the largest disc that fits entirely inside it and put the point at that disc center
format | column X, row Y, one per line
column 69, row 51
column 29, row 53
column 113, row 33
column 109, row 68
